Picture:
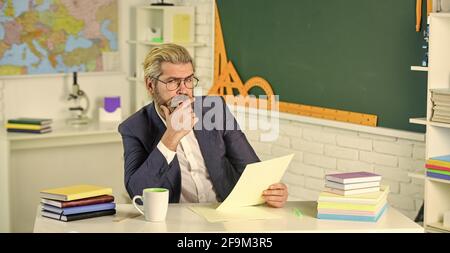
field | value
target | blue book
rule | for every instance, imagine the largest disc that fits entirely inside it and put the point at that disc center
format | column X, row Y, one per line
column 445, row 158
column 79, row 209
column 351, row 217
column 438, row 175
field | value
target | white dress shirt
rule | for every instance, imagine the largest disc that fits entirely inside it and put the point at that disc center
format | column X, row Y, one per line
column 196, row 185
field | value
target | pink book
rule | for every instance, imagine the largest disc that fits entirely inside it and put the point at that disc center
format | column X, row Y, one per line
column 353, row 177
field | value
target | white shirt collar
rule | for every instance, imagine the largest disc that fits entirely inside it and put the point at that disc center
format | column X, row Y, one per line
column 159, row 115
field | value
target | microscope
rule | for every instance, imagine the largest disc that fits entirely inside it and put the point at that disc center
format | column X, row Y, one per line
column 80, row 104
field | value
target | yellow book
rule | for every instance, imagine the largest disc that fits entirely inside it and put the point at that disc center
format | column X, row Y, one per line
column 25, row 126
column 439, row 163
column 75, row 192
column 353, row 207
column 371, row 198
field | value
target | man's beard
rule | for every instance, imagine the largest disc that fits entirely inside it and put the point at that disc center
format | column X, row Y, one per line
column 157, row 98
column 159, row 101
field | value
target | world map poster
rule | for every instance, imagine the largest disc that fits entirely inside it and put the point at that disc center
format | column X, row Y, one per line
column 56, row 36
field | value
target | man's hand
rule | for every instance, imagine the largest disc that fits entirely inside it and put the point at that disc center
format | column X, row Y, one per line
column 179, row 123
column 276, row 195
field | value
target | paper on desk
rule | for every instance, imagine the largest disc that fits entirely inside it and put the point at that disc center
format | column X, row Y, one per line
column 239, row 213
column 256, row 178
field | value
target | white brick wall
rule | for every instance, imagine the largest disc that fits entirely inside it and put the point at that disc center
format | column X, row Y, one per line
column 320, row 160
column 203, row 34
column 321, row 150
column 339, row 152
column 310, row 170
column 392, row 173
column 394, row 185
column 354, row 142
column 402, row 202
column 392, row 148
column 282, row 151
column 353, row 165
column 317, row 135
column 308, row 146
column 377, row 158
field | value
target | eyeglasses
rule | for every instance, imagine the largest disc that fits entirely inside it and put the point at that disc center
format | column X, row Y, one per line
column 172, row 84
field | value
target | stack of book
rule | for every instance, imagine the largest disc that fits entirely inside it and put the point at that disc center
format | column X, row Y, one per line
column 366, row 204
column 29, row 125
column 441, row 105
column 439, row 167
column 352, row 183
column 77, row 202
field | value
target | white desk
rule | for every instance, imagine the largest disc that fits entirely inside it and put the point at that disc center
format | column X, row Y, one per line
column 68, row 155
column 181, row 219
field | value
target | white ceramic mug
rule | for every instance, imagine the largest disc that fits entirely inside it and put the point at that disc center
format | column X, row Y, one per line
column 156, row 202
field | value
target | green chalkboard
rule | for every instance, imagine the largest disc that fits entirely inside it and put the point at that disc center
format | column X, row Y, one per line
column 352, row 55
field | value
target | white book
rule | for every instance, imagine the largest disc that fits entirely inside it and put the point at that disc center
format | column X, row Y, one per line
column 441, row 114
column 369, row 198
column 440, row 119
column 444, row 104
column 438, row 98
column 353, row 186
column 443, row 108
column 51, row 202
column 352, row 192
column 443, row 91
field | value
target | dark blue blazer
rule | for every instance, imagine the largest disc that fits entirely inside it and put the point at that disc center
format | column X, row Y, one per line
column 226, row 151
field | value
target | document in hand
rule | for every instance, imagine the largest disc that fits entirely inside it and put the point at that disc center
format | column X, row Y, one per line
column 239, row 205
column 256, row 178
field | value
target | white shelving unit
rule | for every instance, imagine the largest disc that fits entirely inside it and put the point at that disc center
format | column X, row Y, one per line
column 437, row 191
column 176, row 25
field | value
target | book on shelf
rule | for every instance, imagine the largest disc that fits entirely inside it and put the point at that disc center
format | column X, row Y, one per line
column 442, row 95
column 438, row 99
column 442, row 172
column 42, row 131
column 442, row 158
column 351, row 186
column 26, row 126
column 441, row 114
column 79, row 202
column 79, row 209
column 362, row 198
column 353, row 177
column 441, row 120
column 443, row 91
column 442, row 108
column 31, row 121
column 75, row 192
column 443, row 104
column 79, row 216
column 443, row 161
column 436, row 167
column 438, row 175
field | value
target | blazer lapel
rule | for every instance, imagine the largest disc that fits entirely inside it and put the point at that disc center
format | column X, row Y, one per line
column 158, row 128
